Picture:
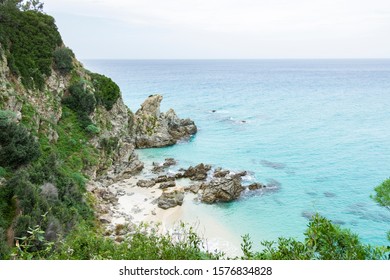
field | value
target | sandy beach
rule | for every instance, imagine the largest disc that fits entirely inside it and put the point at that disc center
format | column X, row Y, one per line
column 139, row 205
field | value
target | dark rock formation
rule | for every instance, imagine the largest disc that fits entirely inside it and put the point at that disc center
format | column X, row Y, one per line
column 164, row 178
column 146, row 183
column 156, row 129
column 168, row 184
column 256, row 186
column 222, row 189
column 197, row 173
column 170, row 199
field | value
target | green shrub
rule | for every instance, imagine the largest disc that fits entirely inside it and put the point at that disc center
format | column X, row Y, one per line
column 82, row 102
column 324, row 241
column 3, row 172
column 106, row 91
column 17, row 146
column 92, row 129
column 4, row 249
column 7, row 115
column 63, row 60
column 383, row 194
column 29, row 38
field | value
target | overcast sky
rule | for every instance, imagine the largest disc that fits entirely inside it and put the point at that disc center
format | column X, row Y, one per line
column 195, row 29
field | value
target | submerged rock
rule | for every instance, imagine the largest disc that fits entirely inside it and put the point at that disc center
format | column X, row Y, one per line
column 170, row 199
column 156, row 129
column 256, row 186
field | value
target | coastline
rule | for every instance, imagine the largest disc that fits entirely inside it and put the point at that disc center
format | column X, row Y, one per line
column 138, row 205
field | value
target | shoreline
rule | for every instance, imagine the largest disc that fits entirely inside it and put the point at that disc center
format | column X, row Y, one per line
column 138, row 205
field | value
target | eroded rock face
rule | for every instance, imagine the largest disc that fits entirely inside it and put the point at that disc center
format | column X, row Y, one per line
column 155, row 129
column 222, row 189
column 171, row 199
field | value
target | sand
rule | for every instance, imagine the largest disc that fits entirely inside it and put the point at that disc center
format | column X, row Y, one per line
column 139, row 205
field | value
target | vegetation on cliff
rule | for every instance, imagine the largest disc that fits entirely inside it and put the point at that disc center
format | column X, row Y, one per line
column 47, row 156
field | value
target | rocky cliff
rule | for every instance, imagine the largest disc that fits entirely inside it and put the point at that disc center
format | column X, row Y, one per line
column 81, row 130
column 156, row 129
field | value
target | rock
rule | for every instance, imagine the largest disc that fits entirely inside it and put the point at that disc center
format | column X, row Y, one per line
column 219, row 173
column 169, row 162
column 105, row 219
column 146, row 183
column 194, row 188
column 164, row 178
column 158, row 169
column 155, row 129
column 308, row 215
column 168, row 184
column 256, row 186
column 179, row 175
column 241, row 173
column 170, row 199
column 197, row 173
column 221, row 189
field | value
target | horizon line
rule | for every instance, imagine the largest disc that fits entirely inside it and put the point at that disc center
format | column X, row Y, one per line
column 353, row 58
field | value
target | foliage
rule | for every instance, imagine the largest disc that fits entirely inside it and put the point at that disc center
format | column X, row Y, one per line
column 7, row 115
column 92, row 129
column 324, row 241
column 4, row 249
column 3, row 172
column 383, row 194
column 81, row 101
column 33, row 5
column 17, row 146
column 63, row 60
column 29, row 38
column 144, row 243
column 106, row 91
column 33, row 245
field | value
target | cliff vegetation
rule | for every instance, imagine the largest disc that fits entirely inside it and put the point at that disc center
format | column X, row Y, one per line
column 62, row 126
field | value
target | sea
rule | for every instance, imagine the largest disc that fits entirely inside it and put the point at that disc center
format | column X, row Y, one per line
column 318, row 131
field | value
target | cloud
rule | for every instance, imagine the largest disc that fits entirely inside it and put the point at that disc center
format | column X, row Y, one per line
column 332, row 21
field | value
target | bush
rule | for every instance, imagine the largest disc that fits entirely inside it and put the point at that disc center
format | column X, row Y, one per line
column 383, row 193
column 324, row 241
column 4, row 249
column 82, row 102
column 17, row 146
column 29, row 39
column 63, row 60
column 106, row 91
column 92, row 129
column 3, row 172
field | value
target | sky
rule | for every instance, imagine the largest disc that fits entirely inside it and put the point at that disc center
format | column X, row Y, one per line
column 223, row 29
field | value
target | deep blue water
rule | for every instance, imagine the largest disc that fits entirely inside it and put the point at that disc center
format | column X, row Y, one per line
column 320, row 128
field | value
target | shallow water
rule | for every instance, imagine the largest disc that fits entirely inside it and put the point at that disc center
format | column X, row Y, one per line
column 319, row 129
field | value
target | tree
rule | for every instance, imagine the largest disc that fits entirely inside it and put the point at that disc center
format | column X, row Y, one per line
column 383, row 194
column 17, row 146
column 31, row 5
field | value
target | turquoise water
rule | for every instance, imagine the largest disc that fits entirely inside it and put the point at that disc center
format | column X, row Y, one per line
column 319, row 128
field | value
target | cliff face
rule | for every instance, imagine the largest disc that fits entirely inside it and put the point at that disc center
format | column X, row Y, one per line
column 63, row 126
column 41, row 111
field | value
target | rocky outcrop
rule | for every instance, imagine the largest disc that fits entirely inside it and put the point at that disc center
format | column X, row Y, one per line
column 155, row 129
column 256, row 186
column 170, row 199
column 146, row 183
column 222, row 189
column 197, row 173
